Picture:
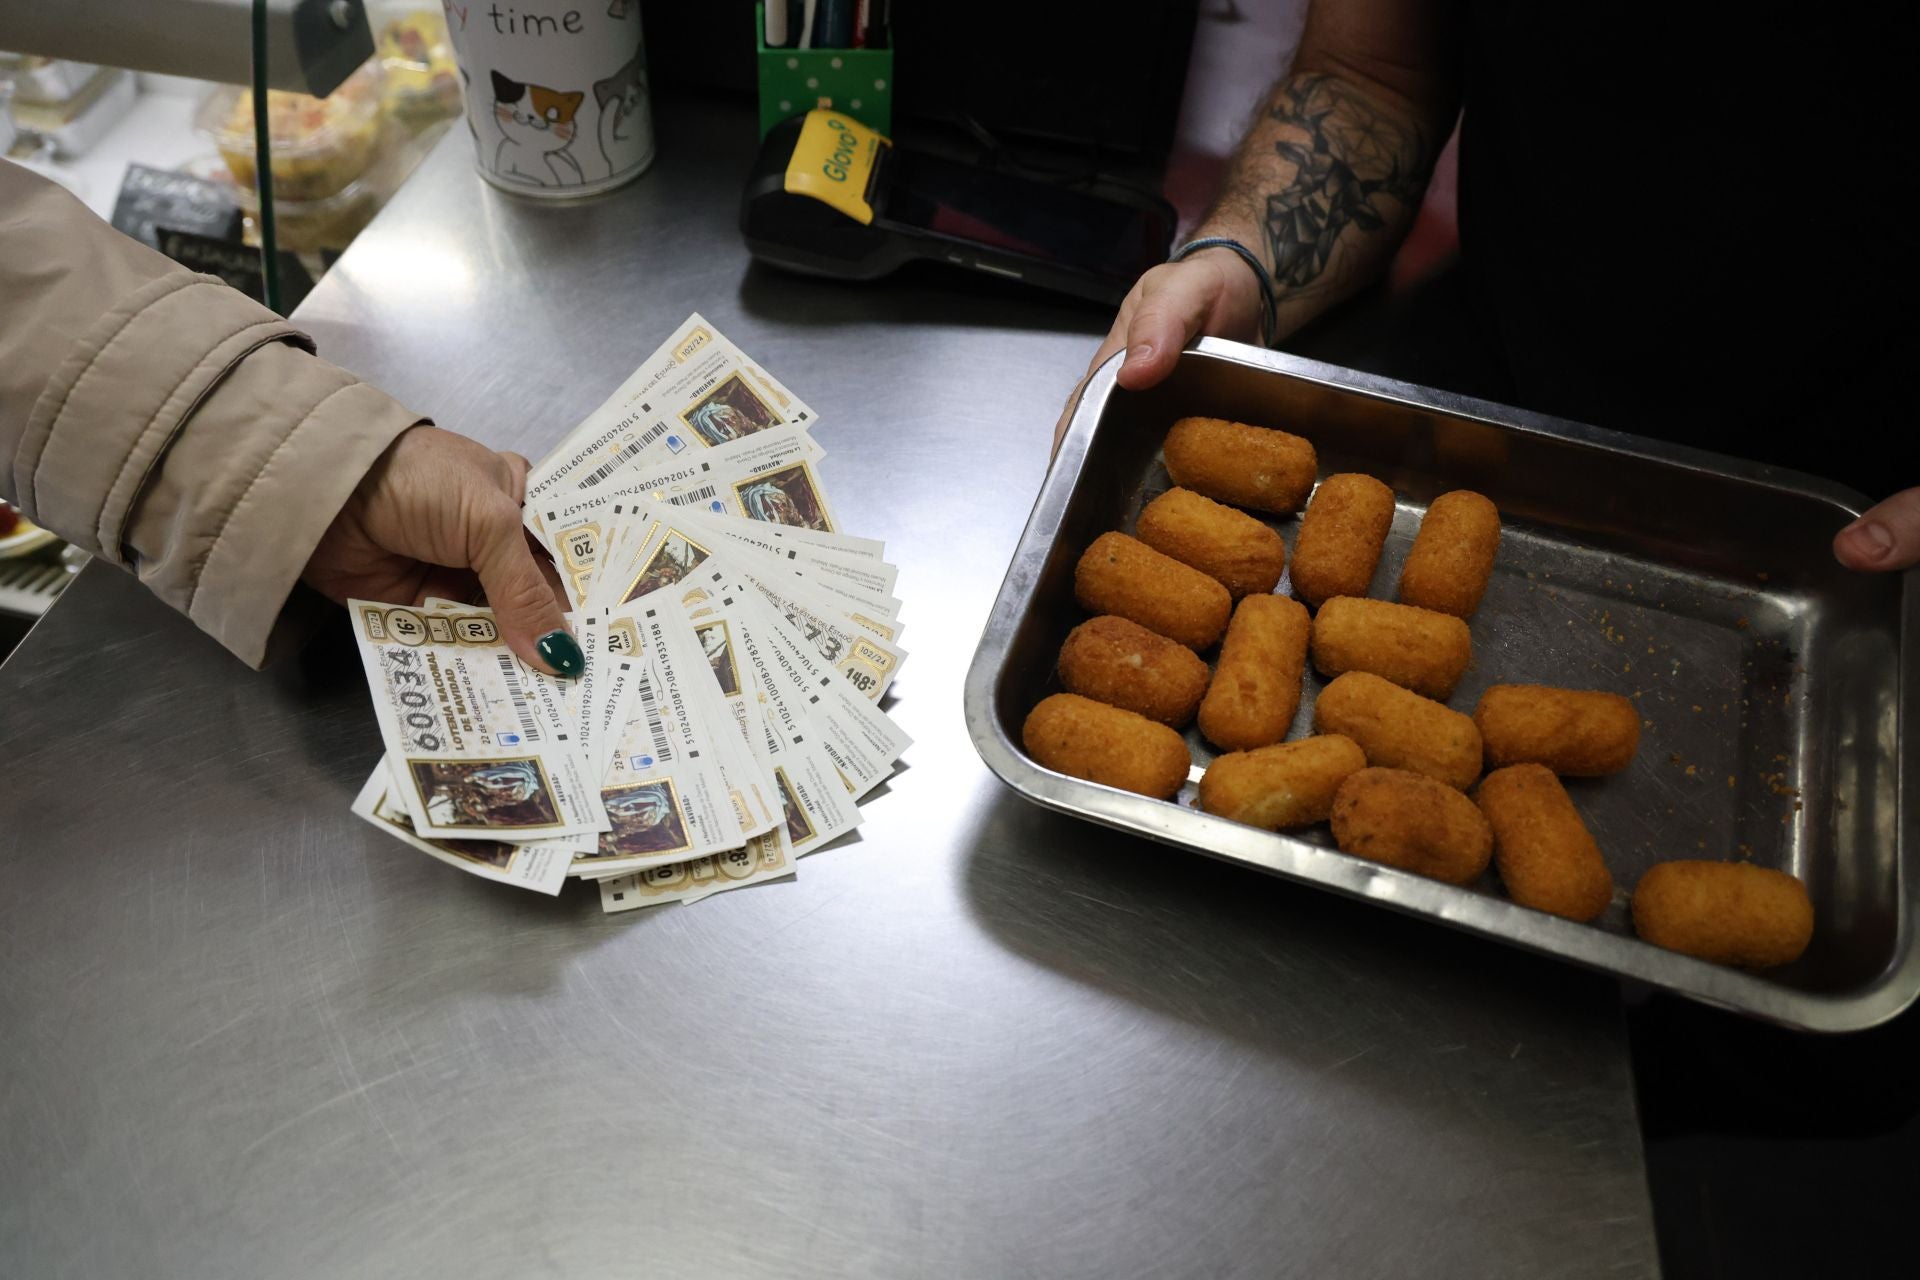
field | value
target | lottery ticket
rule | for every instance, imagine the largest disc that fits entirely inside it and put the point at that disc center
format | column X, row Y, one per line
column 770, row 472
column 476, row 750
column 765, row 857
column 538, row 865
column 859, row 738
column 697, row 391
column 663, row 790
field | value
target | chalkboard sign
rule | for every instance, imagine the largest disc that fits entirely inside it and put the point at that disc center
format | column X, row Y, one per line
column 154, row 198
column 236, row 263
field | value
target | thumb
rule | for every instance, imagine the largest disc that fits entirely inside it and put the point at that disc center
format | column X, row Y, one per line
column 524, row 606
column 1886, row 537
column 1174, row 303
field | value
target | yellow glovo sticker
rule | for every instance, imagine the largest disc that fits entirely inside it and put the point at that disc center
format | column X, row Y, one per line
column 833, row 162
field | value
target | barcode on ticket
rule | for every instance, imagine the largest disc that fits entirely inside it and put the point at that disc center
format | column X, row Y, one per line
column 703, row 494
column 619, row 459
column 529, row 727
column 656, row 727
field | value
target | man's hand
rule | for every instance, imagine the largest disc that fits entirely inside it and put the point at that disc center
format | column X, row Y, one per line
column 1886, row 537
column 439, row 515
column 1321, row 189
column 1212, row 292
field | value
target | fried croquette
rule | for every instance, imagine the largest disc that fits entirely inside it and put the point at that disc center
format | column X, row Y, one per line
column 1417, row 649
column 1340, row 537
column 1124, row 576
column 1290, row 784
column 1399, row 729
column 1123, row 664
column 1409, row 821
column 1256, row 685
column 1545, row 855
column 1248, row 466
column 1086, row 739
column 1452, row 555
column 1242, row 554
column 1578, row 733
column 1727, row 912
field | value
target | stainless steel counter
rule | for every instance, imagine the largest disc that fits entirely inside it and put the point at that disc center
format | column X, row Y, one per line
column 243, row 1034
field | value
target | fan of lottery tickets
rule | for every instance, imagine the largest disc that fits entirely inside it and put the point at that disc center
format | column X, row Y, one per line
column 738, row 644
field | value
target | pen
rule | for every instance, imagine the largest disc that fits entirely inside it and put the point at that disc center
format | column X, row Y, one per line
column 834, row 29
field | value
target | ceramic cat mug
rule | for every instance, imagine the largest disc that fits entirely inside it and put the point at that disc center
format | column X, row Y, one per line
column 556, row 92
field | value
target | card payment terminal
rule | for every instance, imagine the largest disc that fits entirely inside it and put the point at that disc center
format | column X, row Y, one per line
column 830, row 197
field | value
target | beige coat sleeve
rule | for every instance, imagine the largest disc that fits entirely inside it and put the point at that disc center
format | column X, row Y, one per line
column 169, row 424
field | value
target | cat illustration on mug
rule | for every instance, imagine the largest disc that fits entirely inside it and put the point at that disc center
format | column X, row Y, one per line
column 536, row 130
column 623, row 125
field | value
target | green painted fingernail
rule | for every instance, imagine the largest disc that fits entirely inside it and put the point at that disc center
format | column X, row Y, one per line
column 562, row 653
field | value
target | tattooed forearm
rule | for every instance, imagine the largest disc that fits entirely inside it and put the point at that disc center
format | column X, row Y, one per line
column 1326, row 183
column 1352, row 163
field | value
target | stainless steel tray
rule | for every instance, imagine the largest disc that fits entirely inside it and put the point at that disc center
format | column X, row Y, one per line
column 1780, row 693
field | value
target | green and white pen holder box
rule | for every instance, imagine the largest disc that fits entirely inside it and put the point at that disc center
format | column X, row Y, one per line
column 795, row 81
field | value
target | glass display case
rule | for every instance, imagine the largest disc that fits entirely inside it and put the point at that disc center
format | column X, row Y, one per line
column 171, row 161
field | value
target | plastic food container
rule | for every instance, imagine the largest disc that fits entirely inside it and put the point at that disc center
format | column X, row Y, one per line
column 320, row 145
column 309, row 226
column 422, row 81
column 331, row 223
column 73, row 126
column 45, row 81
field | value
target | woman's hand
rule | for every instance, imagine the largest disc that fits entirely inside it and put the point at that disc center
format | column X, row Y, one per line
column 1886, row 537
column 439, row 515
